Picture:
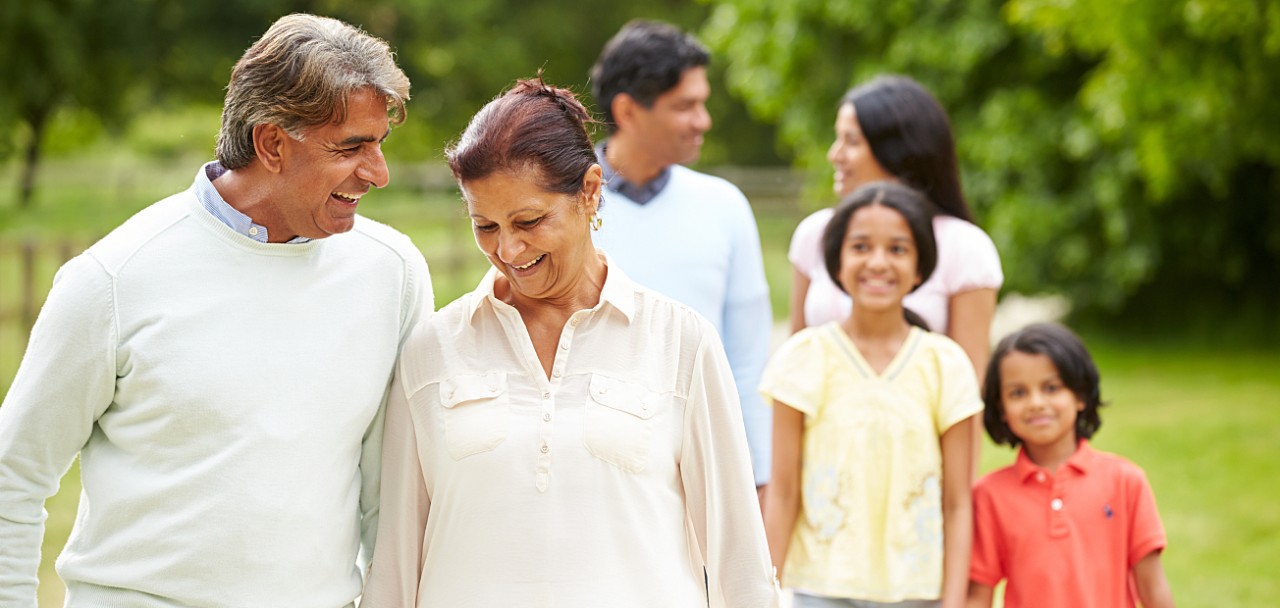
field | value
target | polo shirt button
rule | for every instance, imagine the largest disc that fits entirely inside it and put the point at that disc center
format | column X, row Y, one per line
column 545, row 448
column 1056, row 505
column 546, row 417
column 564, row 346
column 1040, row 477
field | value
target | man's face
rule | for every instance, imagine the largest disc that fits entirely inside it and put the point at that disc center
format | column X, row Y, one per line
column 672, row 129
column 329, row 168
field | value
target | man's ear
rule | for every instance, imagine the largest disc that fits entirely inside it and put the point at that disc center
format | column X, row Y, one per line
column 268, row 145
column 624, row 108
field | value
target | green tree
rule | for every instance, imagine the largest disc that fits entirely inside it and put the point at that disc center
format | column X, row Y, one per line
column 1118, row 152
column 66, row 52
column 108, row 60
column 112, row 59
column 459, row 55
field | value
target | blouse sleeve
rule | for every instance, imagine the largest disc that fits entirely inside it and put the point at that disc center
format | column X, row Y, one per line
column 805, row 252
column 792, row 375
column 967, row 257
column 958, row 396
column 715, row 470
column 396, row 568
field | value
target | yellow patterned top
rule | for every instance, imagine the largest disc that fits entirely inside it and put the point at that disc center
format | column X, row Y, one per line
column 870, row 525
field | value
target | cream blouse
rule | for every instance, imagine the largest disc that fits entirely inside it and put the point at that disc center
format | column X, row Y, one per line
column 614, row 482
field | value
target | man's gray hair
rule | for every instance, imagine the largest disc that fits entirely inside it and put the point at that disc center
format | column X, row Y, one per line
column 301, row 74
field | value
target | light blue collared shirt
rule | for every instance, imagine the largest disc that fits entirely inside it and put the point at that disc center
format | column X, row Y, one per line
column 213, row 202
column 640, row 194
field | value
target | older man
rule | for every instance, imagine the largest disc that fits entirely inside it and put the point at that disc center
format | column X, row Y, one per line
column 685, row 234
column 220, row 361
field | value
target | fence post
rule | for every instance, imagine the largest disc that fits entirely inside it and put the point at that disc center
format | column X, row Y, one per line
column 28, row 284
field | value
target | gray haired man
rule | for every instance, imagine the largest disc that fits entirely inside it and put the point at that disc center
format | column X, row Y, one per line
column 220, row 360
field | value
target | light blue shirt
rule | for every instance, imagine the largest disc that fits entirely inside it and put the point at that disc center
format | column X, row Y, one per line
column 213, row 202
column 696, row 242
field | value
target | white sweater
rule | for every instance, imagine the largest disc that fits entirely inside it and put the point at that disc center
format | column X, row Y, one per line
column 225, row 397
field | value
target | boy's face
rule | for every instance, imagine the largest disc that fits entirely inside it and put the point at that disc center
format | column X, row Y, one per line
column 1038, row 406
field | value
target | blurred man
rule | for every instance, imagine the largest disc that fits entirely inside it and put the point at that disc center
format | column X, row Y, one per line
column 220, row 361
column 683, row 233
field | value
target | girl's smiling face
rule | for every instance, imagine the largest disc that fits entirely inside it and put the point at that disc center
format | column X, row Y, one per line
column 878, row 261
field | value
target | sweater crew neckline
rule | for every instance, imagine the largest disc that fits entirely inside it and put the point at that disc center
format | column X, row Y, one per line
column 235, row 239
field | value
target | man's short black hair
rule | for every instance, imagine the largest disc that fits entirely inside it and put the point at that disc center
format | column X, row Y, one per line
column 644, row 60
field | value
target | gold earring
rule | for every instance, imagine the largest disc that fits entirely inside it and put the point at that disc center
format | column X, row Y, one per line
column 596, row 222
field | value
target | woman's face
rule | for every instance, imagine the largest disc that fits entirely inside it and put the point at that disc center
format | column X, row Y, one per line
column 539, row 240
column 850, row 155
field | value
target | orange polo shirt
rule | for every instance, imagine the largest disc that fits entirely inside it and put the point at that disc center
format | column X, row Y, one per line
column 1068, row 539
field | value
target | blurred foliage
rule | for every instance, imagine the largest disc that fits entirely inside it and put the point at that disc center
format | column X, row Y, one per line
column 1122, row 153
column 1118, row 152
column 91, row 66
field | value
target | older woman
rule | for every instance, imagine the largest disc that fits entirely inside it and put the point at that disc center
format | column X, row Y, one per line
column 561, row 436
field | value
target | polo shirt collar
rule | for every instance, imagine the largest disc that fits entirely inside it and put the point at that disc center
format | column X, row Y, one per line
column 618, row 290
column 641, row 194
column 1081, row 461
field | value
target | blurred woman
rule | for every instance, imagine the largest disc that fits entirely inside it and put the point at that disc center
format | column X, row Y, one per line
column 891, row 128
column 561, row 436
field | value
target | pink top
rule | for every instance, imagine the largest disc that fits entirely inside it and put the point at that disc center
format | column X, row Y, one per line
column 967, row 260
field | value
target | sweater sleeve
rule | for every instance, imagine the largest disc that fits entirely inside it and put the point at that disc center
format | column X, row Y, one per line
column 417, row 303
column 748, row 320
column 65, row 382
column 720, row 501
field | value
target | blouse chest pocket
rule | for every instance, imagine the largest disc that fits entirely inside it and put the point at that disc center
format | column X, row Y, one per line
column 476, row 412
column 618, row 422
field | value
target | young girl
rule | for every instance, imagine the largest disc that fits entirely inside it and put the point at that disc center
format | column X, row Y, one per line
column 1065, row 525
column 869, row 502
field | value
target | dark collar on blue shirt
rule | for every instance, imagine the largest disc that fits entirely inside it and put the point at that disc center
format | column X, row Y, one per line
column 639, row 193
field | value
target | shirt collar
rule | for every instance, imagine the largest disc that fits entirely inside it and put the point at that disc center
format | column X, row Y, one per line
column 640, row 194
column 1081, row 461
column 618, row 291
column 211, row 200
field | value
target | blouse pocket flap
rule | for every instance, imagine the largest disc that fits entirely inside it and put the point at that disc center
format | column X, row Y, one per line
column 472, row 387
column 623, row 396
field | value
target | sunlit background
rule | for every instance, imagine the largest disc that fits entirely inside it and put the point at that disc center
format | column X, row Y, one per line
column 1122, row 155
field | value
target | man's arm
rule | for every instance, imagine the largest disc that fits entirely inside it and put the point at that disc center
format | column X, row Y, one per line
column 65, row 382
column 748, row 321
column 417, row 303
